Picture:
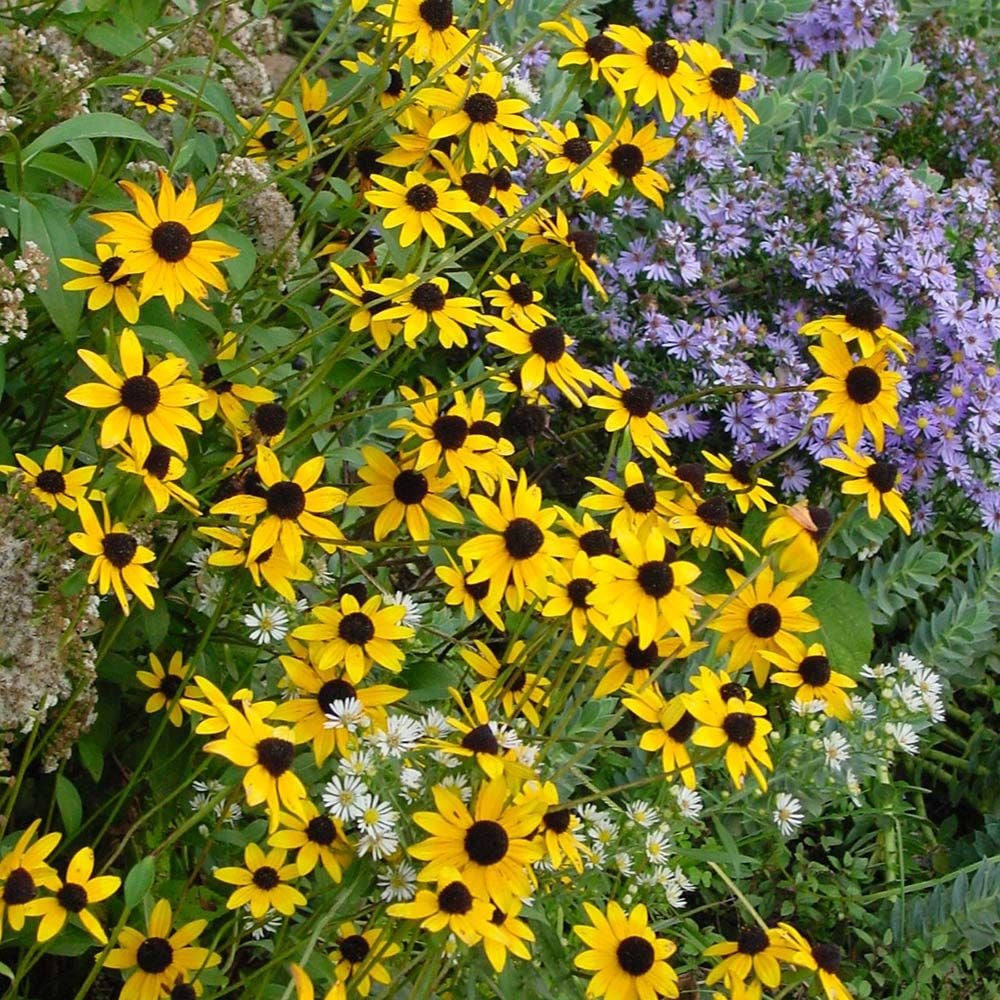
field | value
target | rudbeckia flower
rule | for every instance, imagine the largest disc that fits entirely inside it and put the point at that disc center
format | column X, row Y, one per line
column 166, row 683
column 151, row 100
column 631, row 408
column 628, row 156
column 863, row 321
column 264, row 883
column 421, row 205
column 715, row 88
column 672, row 726
column 654, row 70
column 875, row 479
column 23, row 870
column 590, row 51
column 48, row 483
column 808, row 670
column 452, row 905
column 425, row 30
column 103, row 282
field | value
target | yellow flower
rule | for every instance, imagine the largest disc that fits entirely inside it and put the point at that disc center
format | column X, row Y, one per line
column 737, row 477
column 574, row 585
column 519, row 691
column 708, row 520
column 72, row 897
column 798, row 530
column 160, row 474
column 509, row 934
column 304, row 989
column 574, row 155
column 628, row 156
column 317, row 838
column 755, row 951
column 22, row 871
column 715, row 88
column 151, row 100
column 426, row 29
column 158, row 957
column 369, row 310
column 590, row 51
column 420, row 304
column 263, row 884
column 824, row 959
column 518, row 302
column 225, row 396
column 272, row 565
column 672, row 726
column 809, row 672
column 654, row 70
column 638, row 505
column 558, row 827
column 548, row 231
column 473, row 597
column 159, row 243
column 359, row 955
column 421, row 205
column 875, row 480
column 631, row 408
column 149, row 401
column 119, row 560
column 48, row 483
column 862, row 321
column 452, row 905
column 104, row 283
column 166, row 685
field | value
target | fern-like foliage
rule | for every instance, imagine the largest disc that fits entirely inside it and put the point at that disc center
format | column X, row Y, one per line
column 889, row 585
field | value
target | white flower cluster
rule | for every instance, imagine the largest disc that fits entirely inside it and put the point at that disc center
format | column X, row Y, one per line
column 26, row 273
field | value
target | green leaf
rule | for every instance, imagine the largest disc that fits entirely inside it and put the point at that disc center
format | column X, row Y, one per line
column 844, row 623
column 91, row 126
column 155, row 623
column 240, row 268
column 69, row 803
column 138, row 881
column 91, row 757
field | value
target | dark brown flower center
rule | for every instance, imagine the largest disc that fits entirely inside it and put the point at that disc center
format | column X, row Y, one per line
column 641, row 497
column 725, row 82
column 481, row 108
column 640, row 657
column 153, row 96
column 50, row 481
column 584, row 242
column 108, row 269
column 211, row 375
column 395, row 85
column 275, row 755
column 335, row 690
column 169, row 685
column 521, row 293
column 681, row 730
column 715, row 512
column 157, row 463
column 486, row 842
column 72, row 897
column 182, row 991
column 271, row 419
column 815, row 670
column 356, row 628
column 154, row 955
column 882, row 475
column 764, row 620
column 578, row 591
column 450, row 431
column 656, row 578
column 438, row 14
column 481, row 739
column 752, row 940
column 455, row 898
column 635, row 955
column 477, row 187
column 733, row 690
column 422, row 198
column 119, row 548
column 427, row 297
column 502, row 179
column 863, row 384
column 486, row 428
column 638, row 400
column 863, row 313
column 597, row 542
column 558, row 821
column 354, row 948
column 19, row 888
column 549, row 341
column 576, row 150
column 662, row 58
column 598, row 46
column 740, row 471
column 739, row 728
column 410, row 487
column 266, row 878
column 823, row 520
column 477, row 590
column 828, row 957
column 627, row 159
column 692, row 473
column 523, row 538
column 140, row 394
column 286, row 500
column 171, row 241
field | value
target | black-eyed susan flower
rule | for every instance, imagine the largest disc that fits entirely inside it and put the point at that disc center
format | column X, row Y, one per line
column 154, row 960
column 403, row 493
column 318, row 839
column 72, row 897
column 356, row 635
column 480, row 740
column 797, row 531
column 472, row 597
column 592, row 538
column 653, row 70
column 862, row 321
column 161, row 472
column 545, row 357
column 739, row 478
column 395, row 89
column 226, row 396
column 716, row 87
column 648, row 587
column 422, row 304
column 875, row 479
column 573, row 585
column 307, row 122
column 506, row 679
column 272, row 565
column 151, row 100
column 304, row 989
column 628, row 960
column 358, row 957
column 707, row 520
column 489, row 846
column 517, row 555
column 210, row 702
column 671, row 727
column 738, row 724
column 149, row 401
column 518, row 302
column 509, row 935
column 557, row 827
column 859, row 395
column 589, row 50
column 628, row 660
column 569, row 152
column 463, row 437
column 265, row 140
column 268, row 755
column 825, row 959
column 550, row 232
column 426, row 30
column 420, row 205
column 759, row 616
column 315, row 694
column 638, row 505
column 159, row 245
column 477, row 112
column 628, row 156
column 48, row 482
column 103, row 282
column 756, row 953
column 263, row 883
column 369, row 306
column 119, row 560
column 451, row 905
column 631, row 408
column 166, row 683
column 23, row 870
column 292, row 507
column 808, row 670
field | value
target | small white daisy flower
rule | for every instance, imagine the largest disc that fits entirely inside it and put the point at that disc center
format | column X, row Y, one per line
column 399, row 737
column 342, row 796
column 399, row 883
column 374, row 815
column 689, row 802
column 414, row 611
column 905, row 736
column 787, row 814
column 267, row 623
column 836, row 750
column 380, row 844
column 642, row 813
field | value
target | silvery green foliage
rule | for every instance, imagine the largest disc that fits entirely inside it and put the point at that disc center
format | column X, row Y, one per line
column 890, row 584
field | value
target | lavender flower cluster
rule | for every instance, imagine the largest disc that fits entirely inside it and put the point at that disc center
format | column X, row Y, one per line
column 714, row 292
